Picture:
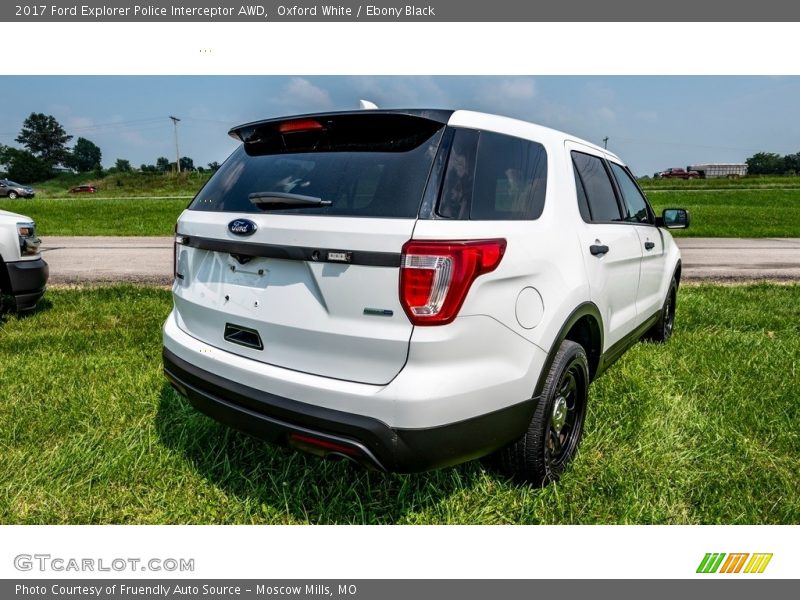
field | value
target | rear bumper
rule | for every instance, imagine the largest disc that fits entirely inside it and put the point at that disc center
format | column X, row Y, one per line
column 28, row 281
column 364, row 439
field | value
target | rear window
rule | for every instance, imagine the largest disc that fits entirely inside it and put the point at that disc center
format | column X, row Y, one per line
column 491, row 176
column 365, row 166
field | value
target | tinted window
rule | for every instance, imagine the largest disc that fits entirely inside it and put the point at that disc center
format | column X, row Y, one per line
column 369, row 171
column 459, row 178
column 634, row 201
column 597, row 186
column 583, row 203
column 490, row 176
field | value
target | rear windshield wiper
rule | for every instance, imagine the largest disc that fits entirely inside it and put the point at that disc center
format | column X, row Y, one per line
column 281, row 200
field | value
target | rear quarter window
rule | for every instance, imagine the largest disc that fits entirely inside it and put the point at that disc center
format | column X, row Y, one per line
column 490, row 176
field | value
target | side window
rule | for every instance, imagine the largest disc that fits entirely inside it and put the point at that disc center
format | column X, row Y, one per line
column 638, row 211
column 591, row 174
column 490, row 176
column 456, row 198
column 583, row 203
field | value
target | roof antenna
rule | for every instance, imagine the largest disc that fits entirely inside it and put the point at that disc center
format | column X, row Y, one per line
column 367, row 105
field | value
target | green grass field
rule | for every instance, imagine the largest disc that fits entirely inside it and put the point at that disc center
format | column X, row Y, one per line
column 753, row 181
column 701, row 430
column 125, row 185
column 734, row 212
column 100, row 216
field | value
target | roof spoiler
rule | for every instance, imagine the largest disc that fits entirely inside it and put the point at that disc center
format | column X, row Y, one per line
column 244, row 132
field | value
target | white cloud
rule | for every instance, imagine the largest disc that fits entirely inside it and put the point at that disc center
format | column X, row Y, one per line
column 395, row 92
column 303, row 95
column 510, row 96
column 517, row 89
column 606, row 114
column 77, row 122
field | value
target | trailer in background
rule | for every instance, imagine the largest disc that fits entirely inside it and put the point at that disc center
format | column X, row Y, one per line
column 714, row 170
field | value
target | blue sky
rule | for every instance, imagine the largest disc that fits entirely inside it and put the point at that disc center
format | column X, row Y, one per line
column 652, row 122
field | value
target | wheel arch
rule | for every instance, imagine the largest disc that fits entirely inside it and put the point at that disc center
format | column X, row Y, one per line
column 584, row 326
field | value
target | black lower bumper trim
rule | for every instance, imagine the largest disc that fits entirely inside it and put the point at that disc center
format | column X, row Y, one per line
column 27, row 281
column 375, row 444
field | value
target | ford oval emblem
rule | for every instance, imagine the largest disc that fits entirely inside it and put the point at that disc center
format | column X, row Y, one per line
column 242, row 227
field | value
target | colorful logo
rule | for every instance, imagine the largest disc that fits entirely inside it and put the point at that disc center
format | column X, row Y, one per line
column 717, row 562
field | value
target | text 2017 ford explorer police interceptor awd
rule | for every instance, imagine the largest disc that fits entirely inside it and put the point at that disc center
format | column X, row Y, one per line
column 411, row 289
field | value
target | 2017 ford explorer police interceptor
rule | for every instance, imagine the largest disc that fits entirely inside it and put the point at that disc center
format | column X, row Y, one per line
column 411, row 289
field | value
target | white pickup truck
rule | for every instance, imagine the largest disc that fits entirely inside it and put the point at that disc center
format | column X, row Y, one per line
column 23, row 273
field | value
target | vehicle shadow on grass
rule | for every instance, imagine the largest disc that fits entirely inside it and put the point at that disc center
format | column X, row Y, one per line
column 291, row 486
column 7, row 312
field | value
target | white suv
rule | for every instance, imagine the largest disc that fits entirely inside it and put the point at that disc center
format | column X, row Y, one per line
column 411, row 289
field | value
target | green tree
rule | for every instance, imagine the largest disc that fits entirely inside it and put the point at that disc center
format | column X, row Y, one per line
column 765, row 163
column 213, row 166
column 24, row 167
column 123, row 166
column 85, row 156
column 162, row 164
column 45, row 138
column 187, row 164
column 791, row 163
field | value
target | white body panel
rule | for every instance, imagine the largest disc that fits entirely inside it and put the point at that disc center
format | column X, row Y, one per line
column 310, row 315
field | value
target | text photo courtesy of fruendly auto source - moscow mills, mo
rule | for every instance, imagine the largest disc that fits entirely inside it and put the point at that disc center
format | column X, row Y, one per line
column 398, row 300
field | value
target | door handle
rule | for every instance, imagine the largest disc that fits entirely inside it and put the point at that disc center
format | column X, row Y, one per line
column 598, row 249
column 649, row 245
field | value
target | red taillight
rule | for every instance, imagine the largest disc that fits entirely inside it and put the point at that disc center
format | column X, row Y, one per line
column 299, row 125
column 436, row 276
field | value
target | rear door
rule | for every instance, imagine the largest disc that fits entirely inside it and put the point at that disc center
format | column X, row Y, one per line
column 290, row 255
column 611, row 247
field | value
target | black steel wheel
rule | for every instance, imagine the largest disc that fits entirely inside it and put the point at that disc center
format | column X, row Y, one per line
column 555, row 431
column 662, row 330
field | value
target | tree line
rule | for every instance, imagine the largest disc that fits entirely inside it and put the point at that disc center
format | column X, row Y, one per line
column 769, row 163
column 45, row 149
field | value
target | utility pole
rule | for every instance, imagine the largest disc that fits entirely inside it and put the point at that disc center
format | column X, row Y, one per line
column 177, row 152
column 605, row 142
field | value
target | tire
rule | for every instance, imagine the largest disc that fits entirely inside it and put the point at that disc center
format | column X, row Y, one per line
column 12, row 195
column 552, row 439
column 662, row 330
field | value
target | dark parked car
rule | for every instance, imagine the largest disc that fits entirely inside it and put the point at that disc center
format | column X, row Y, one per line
column 15, row 190
column 83, row 188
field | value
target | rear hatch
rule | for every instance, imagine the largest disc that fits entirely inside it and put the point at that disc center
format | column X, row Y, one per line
column 290, row 255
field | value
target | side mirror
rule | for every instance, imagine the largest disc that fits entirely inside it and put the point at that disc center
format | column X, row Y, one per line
column 674, row 218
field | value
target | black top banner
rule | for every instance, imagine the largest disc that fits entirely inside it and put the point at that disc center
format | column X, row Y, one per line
column 678, row 11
